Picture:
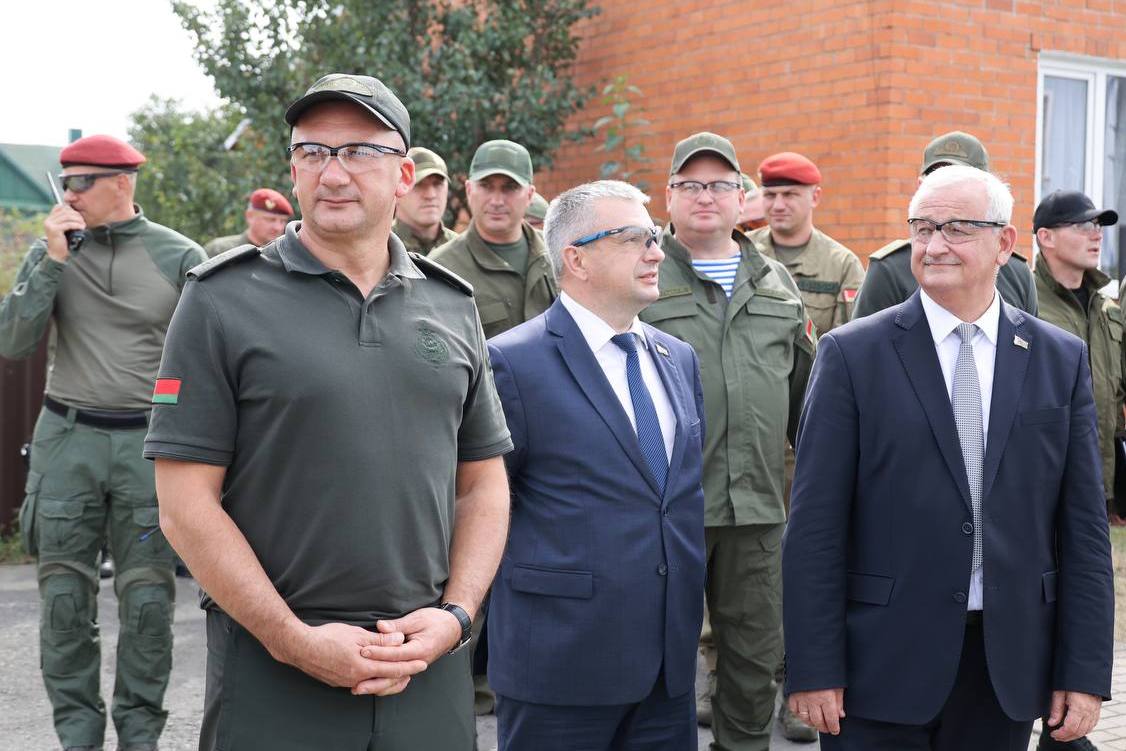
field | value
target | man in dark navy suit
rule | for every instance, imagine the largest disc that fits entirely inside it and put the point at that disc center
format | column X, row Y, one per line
column 947, row 565
column 597, row 607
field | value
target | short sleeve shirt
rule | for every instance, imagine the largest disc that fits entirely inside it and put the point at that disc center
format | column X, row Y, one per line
column 341, row 421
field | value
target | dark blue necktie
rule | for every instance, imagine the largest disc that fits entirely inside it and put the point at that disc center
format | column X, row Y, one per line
column 644, row 413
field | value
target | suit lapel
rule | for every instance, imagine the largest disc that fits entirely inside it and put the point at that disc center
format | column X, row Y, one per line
column 588, row 374
column 1008, row 382
column 674, row 388
column 915, row 347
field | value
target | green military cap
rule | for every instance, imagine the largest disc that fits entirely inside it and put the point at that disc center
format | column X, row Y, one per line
column 537, row 209
column 749, row 186
column 502, row 158
column 955, row 147
column 366, row 91
column 699, row 144
column 427, row 163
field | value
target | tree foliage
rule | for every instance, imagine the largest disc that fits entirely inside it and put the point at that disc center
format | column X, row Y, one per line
column 622, row 131
column 190, row 181
column 468, row 70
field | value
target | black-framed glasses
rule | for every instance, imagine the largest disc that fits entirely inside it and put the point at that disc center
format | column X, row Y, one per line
column 355, row 158
column 83, row 181
column 628, row 235
column 955, row 231
column 694, row 188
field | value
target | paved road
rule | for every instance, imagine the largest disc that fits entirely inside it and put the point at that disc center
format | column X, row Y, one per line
column 25, row 722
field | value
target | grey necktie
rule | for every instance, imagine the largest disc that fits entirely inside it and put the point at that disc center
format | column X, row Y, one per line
column 966, row 399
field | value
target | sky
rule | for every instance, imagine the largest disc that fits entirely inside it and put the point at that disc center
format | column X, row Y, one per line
column 88, row 64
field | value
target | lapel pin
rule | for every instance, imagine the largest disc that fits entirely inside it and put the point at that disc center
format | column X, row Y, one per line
column 1020, row 342
column 662, row 349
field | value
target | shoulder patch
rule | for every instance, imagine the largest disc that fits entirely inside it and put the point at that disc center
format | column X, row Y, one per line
column 435, row 270
column 226, row 258
column 890, row 248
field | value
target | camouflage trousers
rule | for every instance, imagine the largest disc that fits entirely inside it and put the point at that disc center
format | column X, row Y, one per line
column 86, row 483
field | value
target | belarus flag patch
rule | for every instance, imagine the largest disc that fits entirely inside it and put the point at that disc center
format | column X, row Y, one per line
column 167, row 391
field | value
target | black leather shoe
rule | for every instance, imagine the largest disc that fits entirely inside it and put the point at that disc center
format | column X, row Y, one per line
column 1048, row 743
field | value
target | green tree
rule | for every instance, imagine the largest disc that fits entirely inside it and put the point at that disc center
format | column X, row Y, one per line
column 468, row 70
column 18, row 230
column 621, row 131
column 191, row 182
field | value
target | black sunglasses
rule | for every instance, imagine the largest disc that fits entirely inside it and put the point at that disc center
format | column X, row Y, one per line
column 81, row 183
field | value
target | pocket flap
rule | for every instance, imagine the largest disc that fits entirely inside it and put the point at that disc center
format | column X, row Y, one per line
column 51, row 508
column 672, row 304
column 1048, row 581
column 870, row 588
column 553, row 583
column 492, row 312
column 146, row 517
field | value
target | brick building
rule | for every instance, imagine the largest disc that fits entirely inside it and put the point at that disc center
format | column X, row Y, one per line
column 862, row 86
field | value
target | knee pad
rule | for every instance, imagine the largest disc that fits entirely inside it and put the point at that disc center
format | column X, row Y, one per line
column 146, row 597
column 66, row 599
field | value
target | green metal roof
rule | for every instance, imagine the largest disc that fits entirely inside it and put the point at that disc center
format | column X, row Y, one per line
column 23, row 183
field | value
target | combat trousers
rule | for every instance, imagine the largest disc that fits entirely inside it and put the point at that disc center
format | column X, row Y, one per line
column 83, row 483
column 744, row 595
column 254, row 702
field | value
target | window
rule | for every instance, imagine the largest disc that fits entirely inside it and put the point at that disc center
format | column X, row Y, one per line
column 1081, row 136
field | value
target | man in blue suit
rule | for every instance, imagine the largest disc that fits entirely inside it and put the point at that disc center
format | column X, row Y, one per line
column 947, row 564
column 596, row 609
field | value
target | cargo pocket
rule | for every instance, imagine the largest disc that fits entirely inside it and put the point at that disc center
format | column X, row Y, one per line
column 27, row 513
column 148, row 541
column 59, row 525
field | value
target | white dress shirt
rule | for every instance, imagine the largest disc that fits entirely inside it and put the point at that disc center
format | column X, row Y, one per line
column 944, row 331
column 612, row 359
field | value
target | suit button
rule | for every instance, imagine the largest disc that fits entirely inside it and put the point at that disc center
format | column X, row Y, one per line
column 662, row 569
column 967, row 528
column 960, row 597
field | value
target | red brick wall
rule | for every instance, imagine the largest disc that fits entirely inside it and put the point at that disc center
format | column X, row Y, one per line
column 858, row 86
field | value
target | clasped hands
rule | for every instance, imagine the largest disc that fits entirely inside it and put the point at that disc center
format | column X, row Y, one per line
column 378, row 663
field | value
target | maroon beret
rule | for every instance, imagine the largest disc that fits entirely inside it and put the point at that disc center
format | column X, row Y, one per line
column 272, row 201
column 101, row 151
column 788, row 168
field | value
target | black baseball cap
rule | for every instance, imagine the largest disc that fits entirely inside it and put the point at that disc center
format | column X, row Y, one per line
column 1070, row 207
column 366, row 91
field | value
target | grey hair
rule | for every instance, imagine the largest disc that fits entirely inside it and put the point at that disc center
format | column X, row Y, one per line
column 568, row 215
column 1000, row 207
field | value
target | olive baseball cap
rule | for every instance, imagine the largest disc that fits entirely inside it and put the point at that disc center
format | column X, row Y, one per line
column 366, row 91
column 427, row 163
column 502, row 157
column 955, row 147
column 537, row 209
column 703, row 143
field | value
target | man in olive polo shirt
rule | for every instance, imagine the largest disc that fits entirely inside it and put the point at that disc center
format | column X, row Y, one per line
column 500, row 254
column 299, row 386
column 889, row 280
column 827, row 273
column 418, row 216
column 744, row 316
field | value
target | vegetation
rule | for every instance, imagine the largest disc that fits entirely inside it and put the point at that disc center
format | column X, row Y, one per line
column 467, row 70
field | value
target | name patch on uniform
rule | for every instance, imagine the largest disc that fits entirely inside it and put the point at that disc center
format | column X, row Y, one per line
column 817, row 286
column 674, row 291
column 167, row 391
column 430, row 346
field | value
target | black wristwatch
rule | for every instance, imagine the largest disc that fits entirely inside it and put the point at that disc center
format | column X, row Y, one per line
column 462, row 618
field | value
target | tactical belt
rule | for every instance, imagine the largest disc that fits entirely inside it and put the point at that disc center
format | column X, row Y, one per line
column 97, row 418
